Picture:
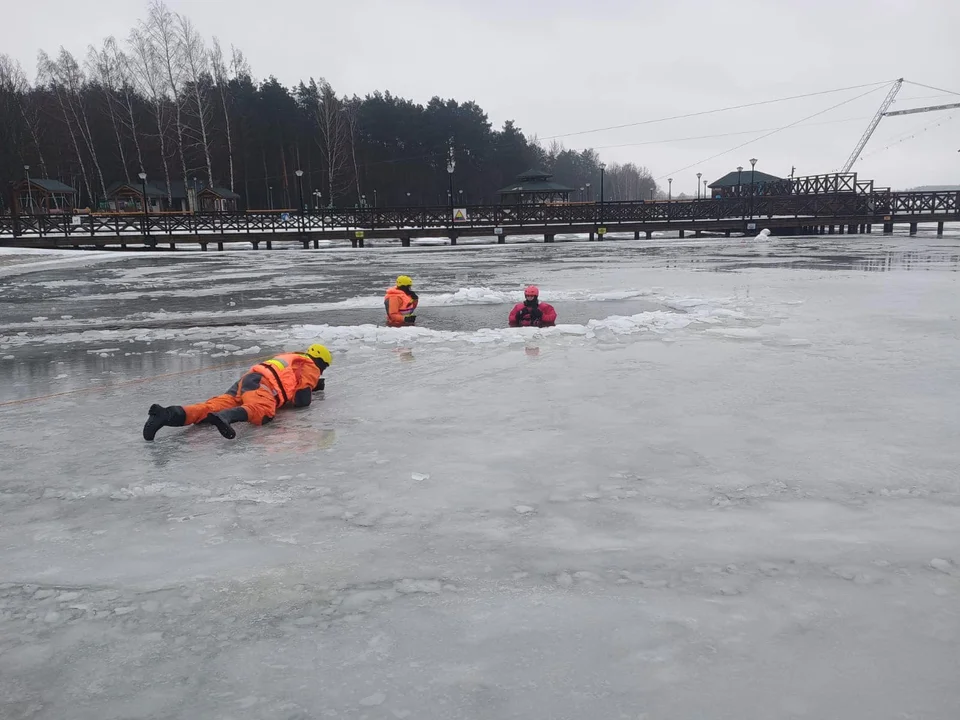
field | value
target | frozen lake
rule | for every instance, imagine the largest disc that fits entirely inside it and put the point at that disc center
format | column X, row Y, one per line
column 725, row 486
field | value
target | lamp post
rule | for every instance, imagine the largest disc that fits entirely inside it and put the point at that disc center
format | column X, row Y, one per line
column 603, row 168
column 270, row 197
column 740, row 187
column 705, row 195
column 374, row 197
column 299, row 174
column 460, row 197
column 451, row 166
column 26, row 174
column 408, row 199
column 588, row 192
column 146, row 212
column 669, row 189
column 753, row 188
column 699, row 175
column 581, row 193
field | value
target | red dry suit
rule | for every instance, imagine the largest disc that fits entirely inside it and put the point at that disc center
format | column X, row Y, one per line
column 535, row 314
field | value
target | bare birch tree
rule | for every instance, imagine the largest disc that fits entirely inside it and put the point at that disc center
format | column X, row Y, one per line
column 351, row 111
column 126, row 95
column 219, row 68
column 18, row 104
column 148, row 78
column 332, row 132
column 196, row 65
column 161, row 28
column 67, row 82
column 101, row 66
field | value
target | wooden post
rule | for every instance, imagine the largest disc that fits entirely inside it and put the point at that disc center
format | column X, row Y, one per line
column 940, row 229
column 220, row 246
column 869, row 228
column 832, row 230
column 852, row 230
column 888, row 228
column 173, row 246
column 650, row 234
column 353, row 243
column 453, row 238
column 548, row 238
column 682, row 234
column 203, row 246
column 269, row 244
column 726, row 233
column 698, row 233
column 256, row 244
column 404, row 241
column 636, row 234
column 913, row 228
column 592, row 236
column 501, row 239
column 841, row 228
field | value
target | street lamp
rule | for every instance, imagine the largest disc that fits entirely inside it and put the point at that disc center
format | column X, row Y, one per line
column 374, row 197
column 26, row 173
column 699, row 175
column 705, row 189
column 581, row 193
column 460, row 198
column 408, row 199
column 669, row 189
column 299, row 174
column 588, row 192
column 451, row 166
column 753, row 189
column 603, row 167
column 143, row 187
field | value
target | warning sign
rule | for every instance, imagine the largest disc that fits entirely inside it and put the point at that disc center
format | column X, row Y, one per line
column 358, row 234
column 601, row 231
column 460, row 215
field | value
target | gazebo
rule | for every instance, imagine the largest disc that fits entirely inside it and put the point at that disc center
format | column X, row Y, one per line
column 128, row 197
column 215, row 199
column 738, row 183
column 534, row 187
column 39, row 196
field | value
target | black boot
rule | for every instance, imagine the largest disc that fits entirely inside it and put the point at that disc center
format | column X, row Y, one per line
column 160, row 416
column 223, row 419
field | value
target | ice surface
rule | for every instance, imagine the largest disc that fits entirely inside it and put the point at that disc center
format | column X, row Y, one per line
column 725, row 486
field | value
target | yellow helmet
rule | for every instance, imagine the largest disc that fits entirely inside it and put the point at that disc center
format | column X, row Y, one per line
column 404, row 281
column 319, row 352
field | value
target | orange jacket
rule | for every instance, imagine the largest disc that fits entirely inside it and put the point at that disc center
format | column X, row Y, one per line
column 399, row 305
column 287, row 373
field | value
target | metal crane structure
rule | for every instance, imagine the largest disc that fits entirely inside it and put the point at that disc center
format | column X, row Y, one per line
column 883, row 112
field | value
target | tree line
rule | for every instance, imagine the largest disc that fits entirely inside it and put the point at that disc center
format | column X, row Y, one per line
column 167, row 102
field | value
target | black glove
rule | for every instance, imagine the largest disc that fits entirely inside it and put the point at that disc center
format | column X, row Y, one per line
column 410, row 320
column 302, row 398
column 319, row 385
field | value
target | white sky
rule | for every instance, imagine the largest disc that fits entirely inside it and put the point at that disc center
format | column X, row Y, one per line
column 571, row 65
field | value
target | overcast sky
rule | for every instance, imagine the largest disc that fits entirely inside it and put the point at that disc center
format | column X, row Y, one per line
column 564, row 66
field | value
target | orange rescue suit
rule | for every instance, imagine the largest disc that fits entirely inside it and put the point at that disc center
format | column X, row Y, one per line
column 400, row 306
column 263, row 390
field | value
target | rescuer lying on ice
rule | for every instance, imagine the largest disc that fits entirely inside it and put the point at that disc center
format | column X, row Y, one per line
column 287, row 379
column 400, row 303
column 531, row 312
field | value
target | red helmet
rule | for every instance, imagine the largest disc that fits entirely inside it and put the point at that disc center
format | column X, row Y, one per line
column 532, row 291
